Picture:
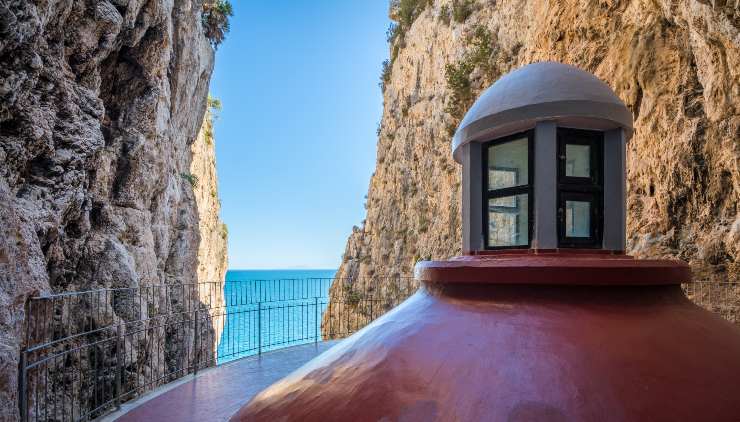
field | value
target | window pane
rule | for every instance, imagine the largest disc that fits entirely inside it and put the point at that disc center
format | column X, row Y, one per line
column 508, row 221
column 577, row 219
column 577, row 160
column 508, row 164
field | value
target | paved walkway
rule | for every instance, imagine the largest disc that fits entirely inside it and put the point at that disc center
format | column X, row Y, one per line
column 217, row 393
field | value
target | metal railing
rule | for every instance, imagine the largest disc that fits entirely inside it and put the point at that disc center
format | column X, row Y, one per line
column 722, row 298
column 88, row 352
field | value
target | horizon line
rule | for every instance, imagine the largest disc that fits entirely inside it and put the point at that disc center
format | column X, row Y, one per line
column 280, row 269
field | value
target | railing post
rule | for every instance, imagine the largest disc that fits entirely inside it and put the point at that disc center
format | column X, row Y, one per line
column 316, row 318
column 23, row 363
column 119, row 364
column 259, row 328
column 23, row 385
column 371, row 309
column 196, row 334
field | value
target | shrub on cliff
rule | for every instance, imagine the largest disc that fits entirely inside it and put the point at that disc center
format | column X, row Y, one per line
column 457, row 75
column 385, row 74
column 214, row 104
column 215, row 18
column 461, row 10
column 405, row 13
column 191, row 178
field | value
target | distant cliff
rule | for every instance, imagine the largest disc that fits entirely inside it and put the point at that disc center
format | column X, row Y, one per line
column 212, row 254
column 675, row 64
column 100, row 103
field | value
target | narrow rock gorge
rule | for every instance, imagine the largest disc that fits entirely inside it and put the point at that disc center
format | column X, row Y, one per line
column 676, row 64
column 103, row 179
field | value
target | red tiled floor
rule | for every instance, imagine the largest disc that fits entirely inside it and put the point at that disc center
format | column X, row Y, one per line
column 218, row 393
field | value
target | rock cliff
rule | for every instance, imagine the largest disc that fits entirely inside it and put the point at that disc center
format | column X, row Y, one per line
column 100, row 102
column 676, row 64
column 212, row 255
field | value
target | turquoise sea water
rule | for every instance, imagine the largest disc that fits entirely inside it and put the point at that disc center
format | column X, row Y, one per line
column 286, row 305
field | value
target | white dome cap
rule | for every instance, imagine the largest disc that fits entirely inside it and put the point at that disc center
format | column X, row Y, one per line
column 542, row 91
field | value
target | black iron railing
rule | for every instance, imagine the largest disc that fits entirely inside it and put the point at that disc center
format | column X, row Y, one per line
column 88, row 352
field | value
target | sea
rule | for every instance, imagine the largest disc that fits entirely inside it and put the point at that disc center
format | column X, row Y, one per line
column 286, row 305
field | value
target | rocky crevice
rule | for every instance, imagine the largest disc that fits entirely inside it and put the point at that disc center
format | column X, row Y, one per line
column 100, row 105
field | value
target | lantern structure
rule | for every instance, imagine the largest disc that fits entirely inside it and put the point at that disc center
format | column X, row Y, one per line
column 543, row 155
column 543, row 317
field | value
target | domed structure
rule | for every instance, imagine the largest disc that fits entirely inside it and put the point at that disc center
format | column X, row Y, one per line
column 544, row 317
column 537, row 92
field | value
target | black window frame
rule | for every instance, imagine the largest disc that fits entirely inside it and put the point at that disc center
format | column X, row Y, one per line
column 589, row 189
column 509, row 191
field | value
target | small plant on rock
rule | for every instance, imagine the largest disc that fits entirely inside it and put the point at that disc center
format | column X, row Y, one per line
column 215, row 18
column 385, row 74
column 458, row 74
column 214, row 104
column 444, row 14
column 191, row 178
column 406, row 12
column 461, row 10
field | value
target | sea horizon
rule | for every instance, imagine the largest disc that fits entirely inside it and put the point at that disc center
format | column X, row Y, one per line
column 274, row 287
column 282, row 269
column 278, row 273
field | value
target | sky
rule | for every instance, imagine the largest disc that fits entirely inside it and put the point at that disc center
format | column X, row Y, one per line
column 296, row 136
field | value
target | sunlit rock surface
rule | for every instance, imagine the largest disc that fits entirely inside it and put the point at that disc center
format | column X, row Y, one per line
column 675, row 64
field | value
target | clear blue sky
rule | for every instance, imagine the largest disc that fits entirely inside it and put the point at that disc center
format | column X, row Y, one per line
column 295, row 141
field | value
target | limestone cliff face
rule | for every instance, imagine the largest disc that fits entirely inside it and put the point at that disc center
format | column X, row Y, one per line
column 212, row 255
column 100, row 102
column 676, row 64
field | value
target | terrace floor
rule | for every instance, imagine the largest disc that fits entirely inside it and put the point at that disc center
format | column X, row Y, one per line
column 217, row 393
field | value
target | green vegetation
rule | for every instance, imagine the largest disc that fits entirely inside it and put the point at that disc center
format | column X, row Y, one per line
column 457, row 74
column 407, row 12
column 385, row 74
column 462, row 9
column 214, row 104
column 391, row 33
column 224, row 231
column 351, row 296
column 191, row 178
column 444, row 14
column 215, row 19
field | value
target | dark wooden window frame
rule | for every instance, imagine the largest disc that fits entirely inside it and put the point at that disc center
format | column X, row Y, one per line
column 510, row 191
column 589, row 189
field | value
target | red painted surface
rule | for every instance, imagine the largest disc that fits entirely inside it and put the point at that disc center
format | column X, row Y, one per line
column 555, row 268
column 522, row 353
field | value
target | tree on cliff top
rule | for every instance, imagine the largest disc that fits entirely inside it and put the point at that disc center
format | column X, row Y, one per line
column 215, row 18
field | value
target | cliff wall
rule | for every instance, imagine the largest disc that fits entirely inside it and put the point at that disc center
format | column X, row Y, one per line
column 212, row 254
column 676, row 64
column 100, row 102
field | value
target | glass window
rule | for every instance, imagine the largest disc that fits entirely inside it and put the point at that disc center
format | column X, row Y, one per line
column 580, row 188
column 507, row 192
column 577, row 160
column 508, row 164
column 577, row 219
column 508, row 221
